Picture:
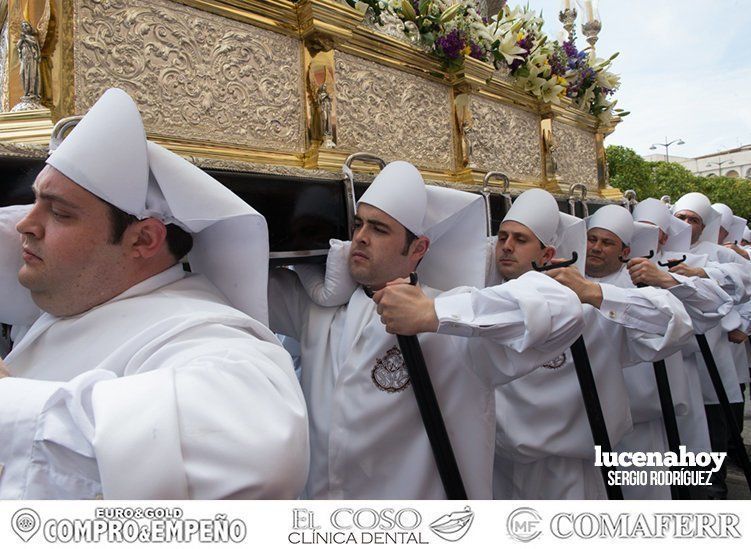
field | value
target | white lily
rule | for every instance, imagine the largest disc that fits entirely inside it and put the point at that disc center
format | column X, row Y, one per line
column 551, row 91
column 609, row 80
column 589, row 94
column 532, row 84
column 509, row 49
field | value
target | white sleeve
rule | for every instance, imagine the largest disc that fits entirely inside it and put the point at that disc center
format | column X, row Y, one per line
column 528, row 320
column 733, row 277
column 288, row 303
column 732, row 320
column 213, row 414
column 657, row 325
column 46, row 428
column 332, row 286
column 744, row 312
column 705, row 301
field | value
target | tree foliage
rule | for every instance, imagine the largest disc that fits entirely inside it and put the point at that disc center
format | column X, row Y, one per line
column 628, row 170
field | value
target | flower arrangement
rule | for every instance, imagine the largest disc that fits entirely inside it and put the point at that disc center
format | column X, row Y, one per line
column 513, row 41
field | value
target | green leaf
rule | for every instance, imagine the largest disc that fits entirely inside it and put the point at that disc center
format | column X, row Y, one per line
column 450, row 13
column 408, row 11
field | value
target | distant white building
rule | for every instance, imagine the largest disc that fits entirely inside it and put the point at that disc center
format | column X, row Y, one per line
column 732, row 162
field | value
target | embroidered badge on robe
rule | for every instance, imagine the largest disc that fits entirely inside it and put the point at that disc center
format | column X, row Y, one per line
column 390, row 373
column 557, row 362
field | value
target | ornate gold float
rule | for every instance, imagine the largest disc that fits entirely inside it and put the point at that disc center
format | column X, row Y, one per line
column 272, row 86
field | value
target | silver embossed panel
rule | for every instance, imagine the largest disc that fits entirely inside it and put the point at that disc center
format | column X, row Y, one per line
column 194, row 75
column 505, row 138
column 393, row 114
column 3, row 64
column 575, row 152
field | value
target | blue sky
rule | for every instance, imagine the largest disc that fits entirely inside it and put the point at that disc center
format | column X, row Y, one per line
column 685, row 67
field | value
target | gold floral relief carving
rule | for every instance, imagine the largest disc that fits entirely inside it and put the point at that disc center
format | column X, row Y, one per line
column 505, row 138
column 254, row 167
column 23, row 150
column 575, row 154
column 4, row 66
column 195, row 75
column 392, row 114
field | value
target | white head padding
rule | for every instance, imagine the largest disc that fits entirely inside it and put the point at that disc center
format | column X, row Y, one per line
column 230, row 239
column 399, row 190
column 735, row 235
column 455, row 225
column 746, row 234
column 733, row 224
column 615, row 219
column 17, row 307
column 651, row 210
column 726, row 215
column 538, row 210
column 701, row 206
column 107, row 154
column 644, row 241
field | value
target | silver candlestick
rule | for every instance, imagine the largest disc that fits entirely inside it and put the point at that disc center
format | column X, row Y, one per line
column 568, row 18
column 591, row 29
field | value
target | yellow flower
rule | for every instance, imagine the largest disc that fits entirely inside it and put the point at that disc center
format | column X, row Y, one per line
column 562, row 81
column 520, row 36
column 467, row 50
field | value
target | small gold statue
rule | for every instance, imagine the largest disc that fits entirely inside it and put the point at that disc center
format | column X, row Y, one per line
column 29, row 55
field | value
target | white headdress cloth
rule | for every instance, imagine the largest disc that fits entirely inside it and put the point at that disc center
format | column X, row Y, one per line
column 107, row 154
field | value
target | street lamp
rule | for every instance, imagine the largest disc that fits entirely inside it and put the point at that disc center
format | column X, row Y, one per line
column 720, row 164
column 666, row 145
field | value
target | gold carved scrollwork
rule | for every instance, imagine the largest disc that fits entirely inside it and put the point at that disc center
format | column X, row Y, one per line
column 393, row 114
column 3, row 55
column 575, row 155
column 195, row 75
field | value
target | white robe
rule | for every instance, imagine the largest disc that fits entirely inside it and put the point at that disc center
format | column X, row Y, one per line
column 544, row 442
column 707, row 306
column 164, row 392
column 706, row 303
column 368, row 443
column 733, row 273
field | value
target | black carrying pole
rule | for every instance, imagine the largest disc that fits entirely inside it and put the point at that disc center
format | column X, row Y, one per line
column 594, row 409
column 588, row 388
column 666, row 401
column 722, row 396
column 431, row 415
column 671, row 424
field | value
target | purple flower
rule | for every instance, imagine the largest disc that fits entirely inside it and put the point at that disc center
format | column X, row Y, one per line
column 558, row 62
column 451, row 44
column 526, row 44
column 570, row 49
column 476, row 51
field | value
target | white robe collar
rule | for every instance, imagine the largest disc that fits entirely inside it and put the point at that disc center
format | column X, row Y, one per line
column 168, row 276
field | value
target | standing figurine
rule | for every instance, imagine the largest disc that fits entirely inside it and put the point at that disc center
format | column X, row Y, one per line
column 324, row 106
column 29, row 55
